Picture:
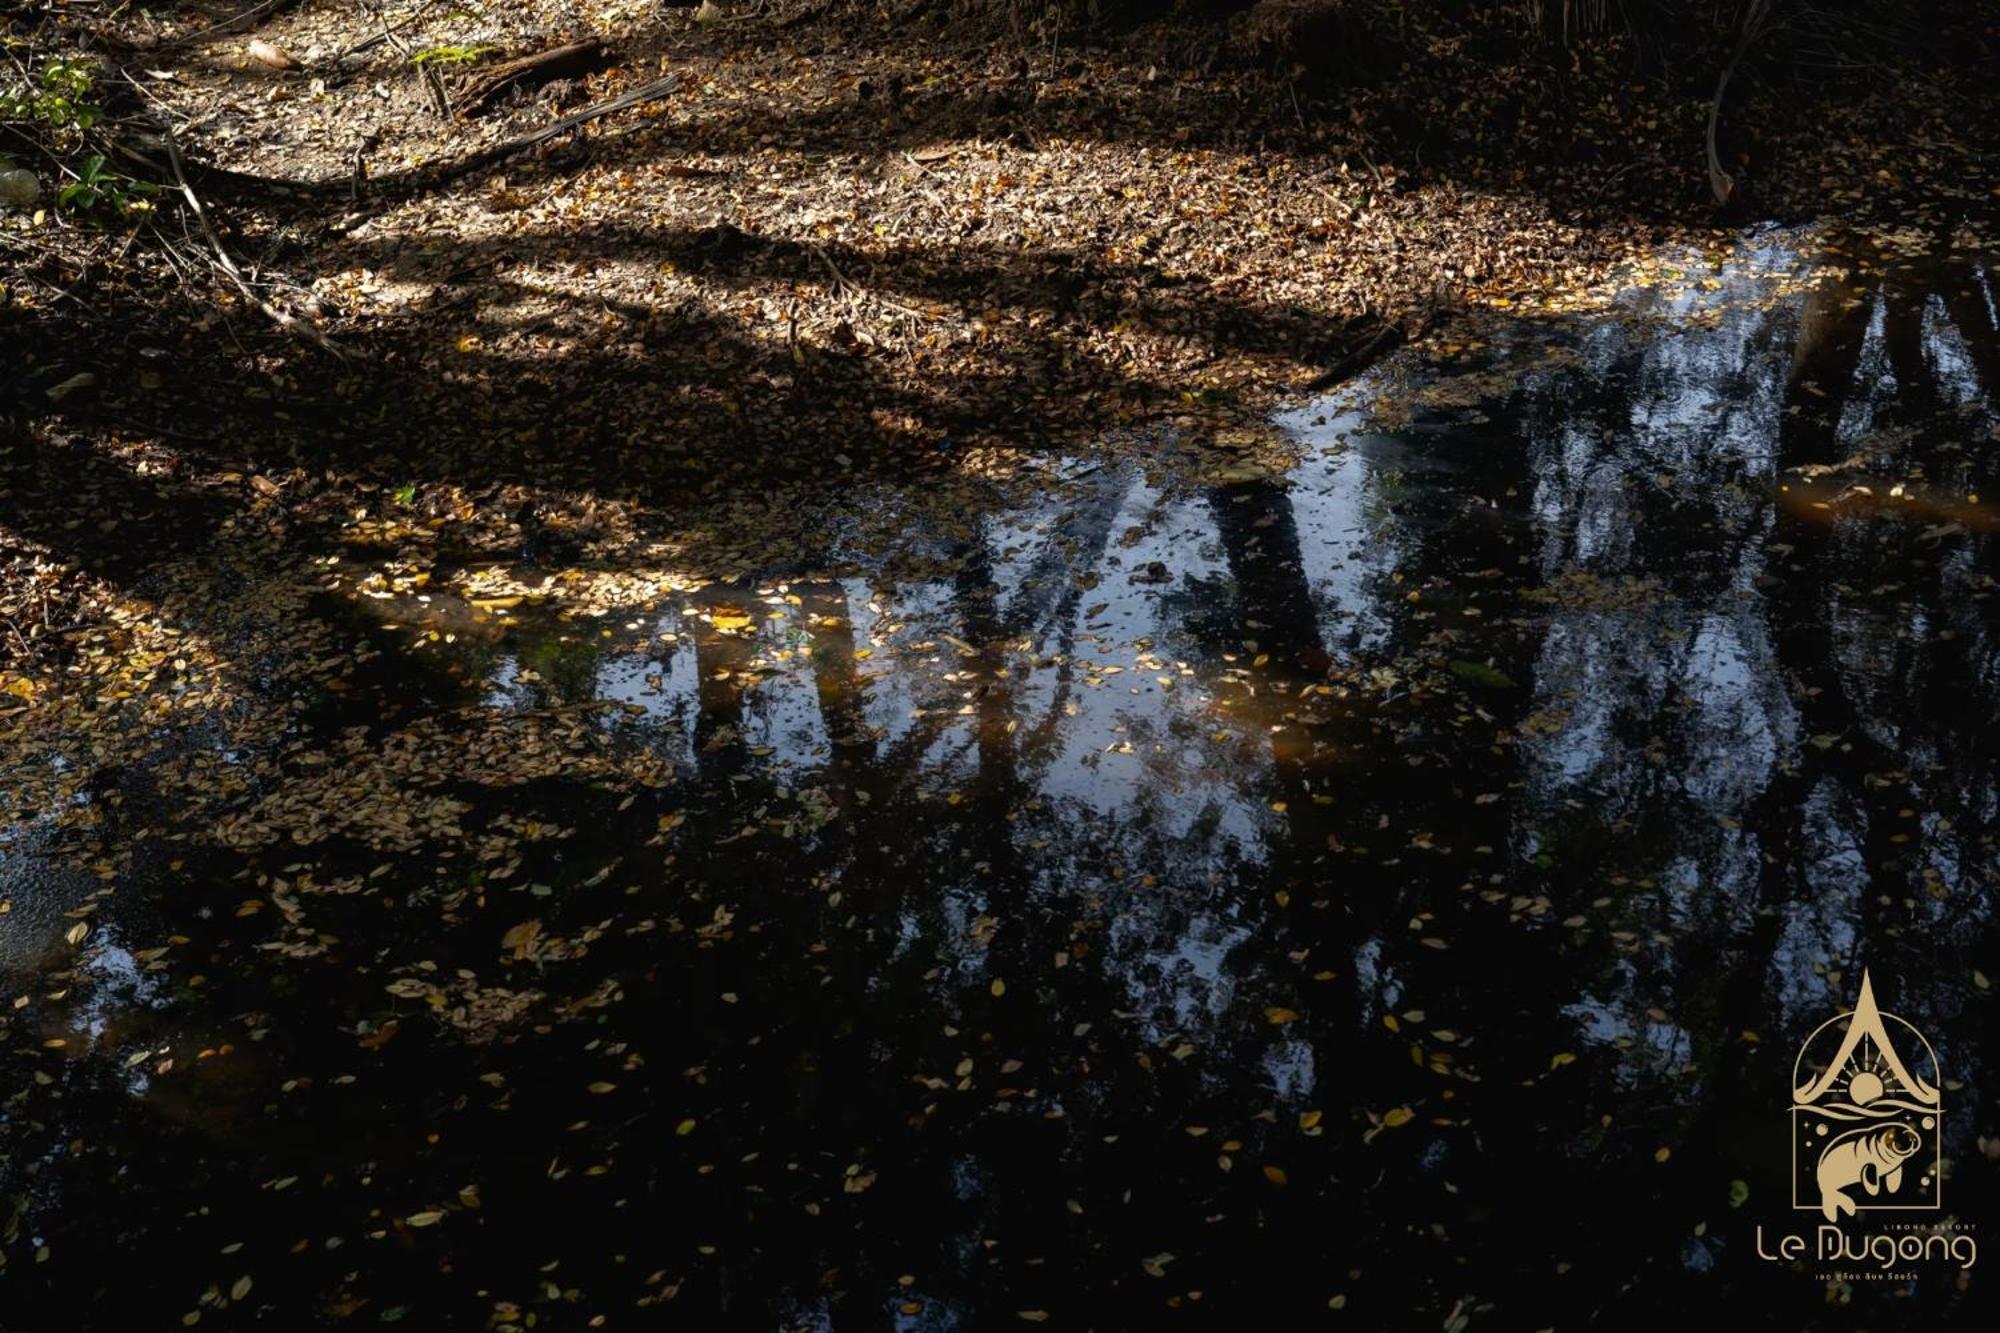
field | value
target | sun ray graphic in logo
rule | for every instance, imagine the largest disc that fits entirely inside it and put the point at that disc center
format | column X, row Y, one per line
column 1865, row 1115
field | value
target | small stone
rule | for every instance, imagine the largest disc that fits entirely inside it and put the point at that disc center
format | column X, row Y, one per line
column 19, row 188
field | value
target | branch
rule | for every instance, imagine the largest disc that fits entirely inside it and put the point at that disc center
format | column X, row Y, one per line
column 288, row 323
column 1720, row 182
column 500, row 152
column 556, row 62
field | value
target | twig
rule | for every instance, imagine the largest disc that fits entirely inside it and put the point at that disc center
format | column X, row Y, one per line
column 288, row 323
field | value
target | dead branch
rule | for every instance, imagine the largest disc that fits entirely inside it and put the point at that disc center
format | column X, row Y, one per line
column 500, row 152
column 1720, row 182
column 555, row 63
column 289, row 323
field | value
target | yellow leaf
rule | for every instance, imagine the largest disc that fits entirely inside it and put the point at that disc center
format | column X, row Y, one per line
column 601, row 1087
column 430, row 1217
column 1308, row 1119
column 1397, row 1116
column 1280, row 1015
column 1276, row 1175
column 521, row 938
column 1663, row 1154
column 1562, row 1058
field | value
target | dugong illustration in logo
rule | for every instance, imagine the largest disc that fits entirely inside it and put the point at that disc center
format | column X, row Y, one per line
column 1867, row 1115
column 1871, row 1158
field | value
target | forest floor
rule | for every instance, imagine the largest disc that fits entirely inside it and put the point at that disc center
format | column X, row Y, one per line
column 821, row 247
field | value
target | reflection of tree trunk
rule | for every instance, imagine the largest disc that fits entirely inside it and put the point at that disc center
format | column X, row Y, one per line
column 1276, row 620
column 839, row 686
column 1048, row 589
column 835, row 677
column 998, row 787
column 1967, row 296
column 1260, row 539
column 1824, row 359
column 1903, row 339
column 721, row 661
column 1036, row 612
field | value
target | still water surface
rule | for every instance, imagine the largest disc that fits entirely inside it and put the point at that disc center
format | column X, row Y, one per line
column 1388, row 893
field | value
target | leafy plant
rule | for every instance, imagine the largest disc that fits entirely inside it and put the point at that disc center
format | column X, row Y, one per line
column 52, row 107
column 94, row 185
column 53, row 101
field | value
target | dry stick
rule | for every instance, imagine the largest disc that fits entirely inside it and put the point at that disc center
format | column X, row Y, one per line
column 500, row 152
column 284, row 321
column 1355, row 361
column 1720, row 182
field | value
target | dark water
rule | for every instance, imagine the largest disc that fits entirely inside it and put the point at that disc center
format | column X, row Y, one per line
column 1385, row 895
